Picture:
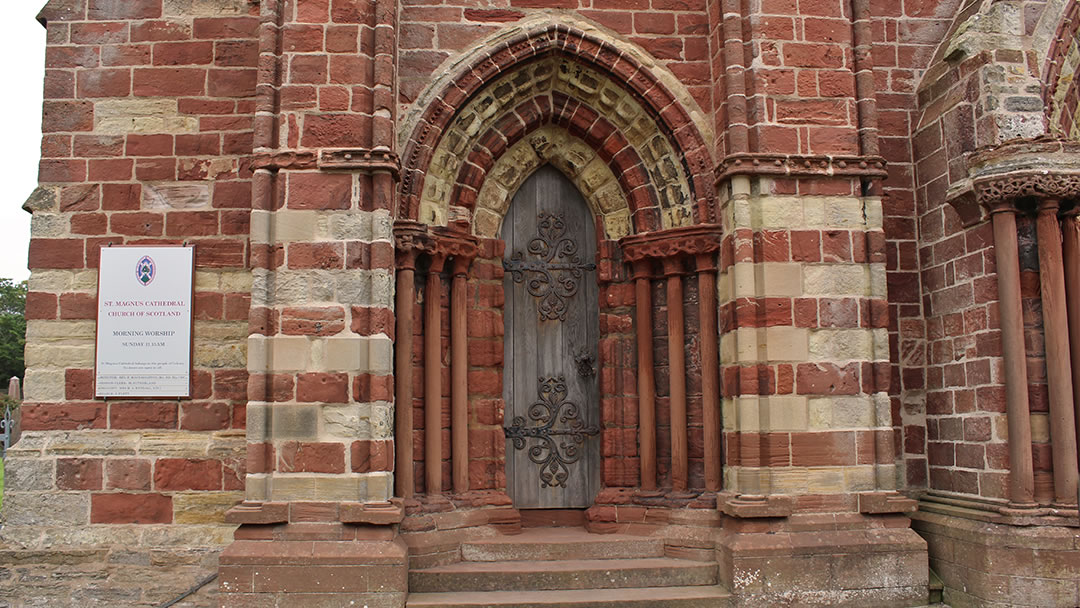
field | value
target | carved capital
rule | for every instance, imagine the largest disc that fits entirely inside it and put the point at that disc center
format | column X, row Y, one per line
column 1013, row 187
column 674, row 242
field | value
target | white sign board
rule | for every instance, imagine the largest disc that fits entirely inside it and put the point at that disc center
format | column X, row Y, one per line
column 144, row 322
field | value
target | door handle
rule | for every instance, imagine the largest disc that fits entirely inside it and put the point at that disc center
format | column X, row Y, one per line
column 585, row 362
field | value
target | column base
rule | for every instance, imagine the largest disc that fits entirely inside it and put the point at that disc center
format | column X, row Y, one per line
column 320, row 573
column 836, row 559
column 984, row 563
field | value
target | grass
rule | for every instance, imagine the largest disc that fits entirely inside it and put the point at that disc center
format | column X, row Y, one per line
column 1, row 482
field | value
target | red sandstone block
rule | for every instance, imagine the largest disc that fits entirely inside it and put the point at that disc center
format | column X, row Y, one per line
column 78, row 473
column 157, row 31
column 335, row 130
column 231, row 82
column 168, row 82
column 230, row 384
column 98, row 33
column 142, row 415
column 229, row 194
column 827, row 379
column 127, row 474
column 313, row 321
column 125, row 55
column 493, row 15
column 40, row 305
column 183, row 53
column 78, row 306
column 316, row 255
column 226, row 27
column 55, row 253
column 322, row 387
column 72, row 56
column 313, row 11
column 154, row 169
column 219, row 253
column 137, row 224
column 310, row 457
column 122, row 508
column 63, row 416
column 78, row 384
column 823, row 449
column 351, row 11
column 84, row 197
column 319, row 191
column 241, row 53
column 205, row 416
column 121, row 197
column 112, row 169
column 104, row 83
column 343, row 38
column 187, row 474
column 50, row 170
column 369, row 387
column 368, row 321
column 191, row 223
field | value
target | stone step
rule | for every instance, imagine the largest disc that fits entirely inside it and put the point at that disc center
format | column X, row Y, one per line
column 547, row 544
column 565, row 574
column 710, row 596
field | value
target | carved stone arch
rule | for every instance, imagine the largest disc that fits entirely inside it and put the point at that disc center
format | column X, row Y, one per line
column 1057, row 40
column 541, row 76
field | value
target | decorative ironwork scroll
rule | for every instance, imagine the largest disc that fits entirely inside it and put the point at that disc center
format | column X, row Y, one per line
column 554, row 277
column 557, row 447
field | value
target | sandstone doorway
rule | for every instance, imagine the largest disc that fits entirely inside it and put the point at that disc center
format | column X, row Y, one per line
column 550, row 381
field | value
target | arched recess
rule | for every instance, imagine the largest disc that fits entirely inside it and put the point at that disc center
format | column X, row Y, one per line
column 625, row 132
column 1061, row 90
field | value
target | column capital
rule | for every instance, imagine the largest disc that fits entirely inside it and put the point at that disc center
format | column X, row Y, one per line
column 671, row 243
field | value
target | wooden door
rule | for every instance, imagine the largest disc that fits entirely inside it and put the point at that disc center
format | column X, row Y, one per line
column 552, row 321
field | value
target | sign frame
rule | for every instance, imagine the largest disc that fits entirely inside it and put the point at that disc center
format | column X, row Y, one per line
column 190, row 313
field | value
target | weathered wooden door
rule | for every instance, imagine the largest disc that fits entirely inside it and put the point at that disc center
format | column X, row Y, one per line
column 552, row 320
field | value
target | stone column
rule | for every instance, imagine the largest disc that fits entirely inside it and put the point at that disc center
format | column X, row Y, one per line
column 404, row 481
column 710, row 368
column 459, row 369
column 677, row 373
column 1070, row 230
column 646, row 380
column 1018, row 411
column 1058, row 360
column 671, row 248
column 433, row 377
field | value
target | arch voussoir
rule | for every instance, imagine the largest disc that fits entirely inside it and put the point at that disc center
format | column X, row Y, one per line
column 601, row 96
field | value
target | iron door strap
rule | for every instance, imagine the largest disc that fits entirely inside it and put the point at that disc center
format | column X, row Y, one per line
column 556, row 270
column 557, row 447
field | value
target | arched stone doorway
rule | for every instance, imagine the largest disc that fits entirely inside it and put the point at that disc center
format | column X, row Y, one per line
column 551, row 322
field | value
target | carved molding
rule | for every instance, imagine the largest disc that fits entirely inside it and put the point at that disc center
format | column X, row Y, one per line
column 361, row 159
column 413, row 238
column 686, row 241
column 276, row 161
column 1014, row 172
column 798, row 165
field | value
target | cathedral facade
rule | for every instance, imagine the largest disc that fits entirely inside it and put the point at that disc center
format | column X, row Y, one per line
column 787, row 290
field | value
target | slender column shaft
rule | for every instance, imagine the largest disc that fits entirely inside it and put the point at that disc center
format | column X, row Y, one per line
column 403, row 379
column 1018, row 410
column 459, row 370
column 433, row 379
column 710, row 369
column 1070, row 229
column 1058, row 360
column 677, row 373
column 646, row 381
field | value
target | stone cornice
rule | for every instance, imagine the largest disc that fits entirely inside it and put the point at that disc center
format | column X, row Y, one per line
column 686, row 241
column 800, row 165
column 1016, row 171
column 352, row 159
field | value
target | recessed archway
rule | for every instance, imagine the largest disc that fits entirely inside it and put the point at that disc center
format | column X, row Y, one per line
column 595, row 111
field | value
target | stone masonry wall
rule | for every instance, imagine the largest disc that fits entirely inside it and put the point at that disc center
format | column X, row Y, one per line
column 147, row 131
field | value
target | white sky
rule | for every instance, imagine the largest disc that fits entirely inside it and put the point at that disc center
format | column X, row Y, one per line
column 22, row 45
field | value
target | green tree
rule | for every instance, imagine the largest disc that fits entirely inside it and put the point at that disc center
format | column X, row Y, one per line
column 12, row 329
